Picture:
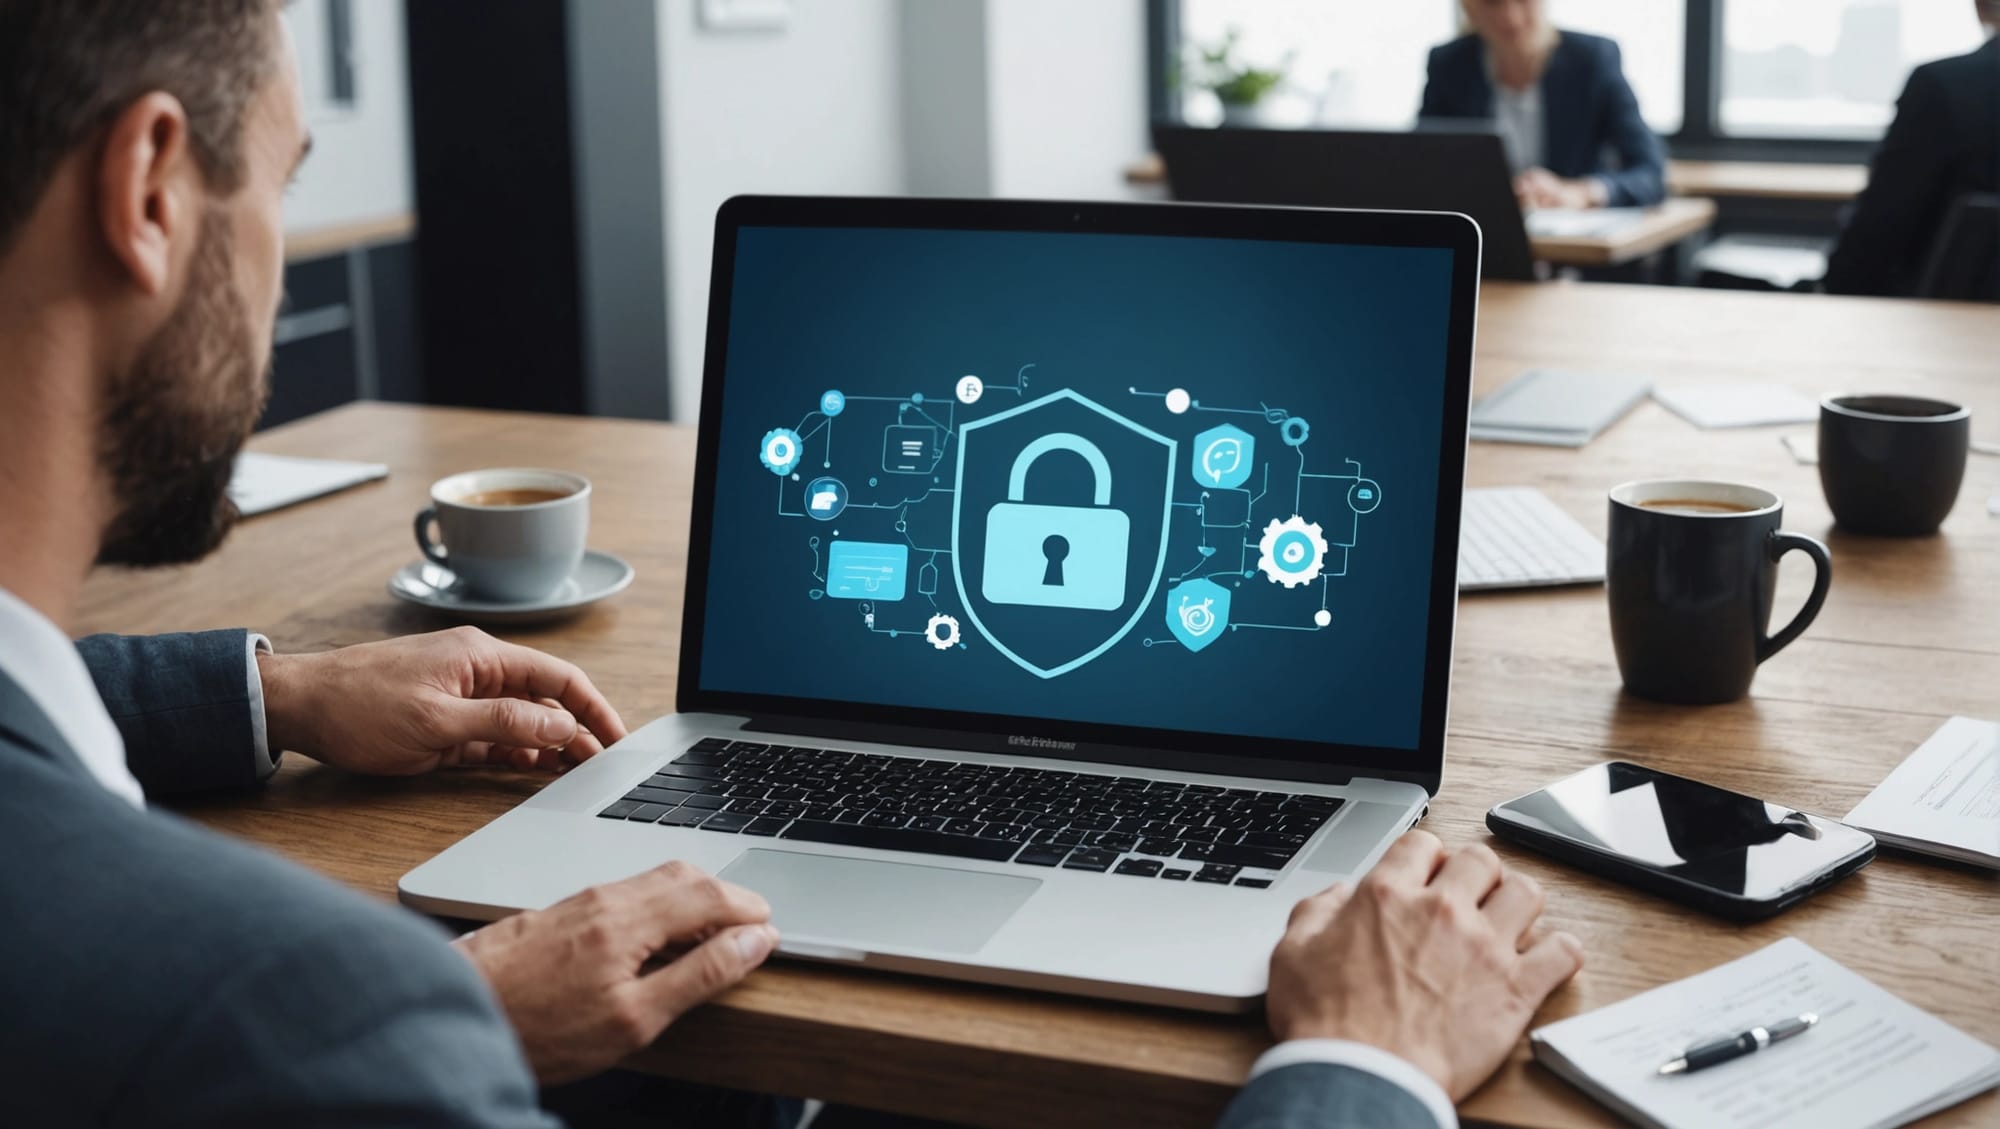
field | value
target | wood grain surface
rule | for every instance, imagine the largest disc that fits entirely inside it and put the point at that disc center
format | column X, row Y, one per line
column 1661, row 226
column 1910, row 635
column 1771, row 180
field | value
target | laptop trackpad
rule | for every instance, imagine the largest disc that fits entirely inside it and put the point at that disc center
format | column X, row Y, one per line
column 880, row 904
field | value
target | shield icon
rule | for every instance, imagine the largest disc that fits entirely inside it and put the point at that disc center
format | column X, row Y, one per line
column 1060, row 513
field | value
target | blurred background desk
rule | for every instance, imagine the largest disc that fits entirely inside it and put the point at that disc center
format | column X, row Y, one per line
column 1767, row 179
column 1906, row 639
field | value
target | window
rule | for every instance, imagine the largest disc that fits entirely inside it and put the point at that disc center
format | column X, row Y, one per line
column 1361, row 62
column 1830, row 68
column 1346, row 62
column 1652, row 37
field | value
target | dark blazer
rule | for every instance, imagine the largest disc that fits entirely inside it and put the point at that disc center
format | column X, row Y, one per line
column 1324, row 1096
column 1945, row 142
column 1590, row 119
column 182, row 703
column 153, row 974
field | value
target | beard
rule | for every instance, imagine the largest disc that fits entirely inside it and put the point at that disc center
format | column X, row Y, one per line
column 176, row 418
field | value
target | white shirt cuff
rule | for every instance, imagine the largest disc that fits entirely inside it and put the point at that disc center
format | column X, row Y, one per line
column 1373, row 1060
column 260, row 742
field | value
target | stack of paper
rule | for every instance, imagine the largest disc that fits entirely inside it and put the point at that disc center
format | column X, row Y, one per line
column 1944, row 799
column 1736, row 403
column 1872, row 1062
column 1555, row 407
column 1580, row 223
column 268, row 482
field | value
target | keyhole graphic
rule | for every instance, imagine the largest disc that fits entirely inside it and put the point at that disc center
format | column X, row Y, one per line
column 1055, row 547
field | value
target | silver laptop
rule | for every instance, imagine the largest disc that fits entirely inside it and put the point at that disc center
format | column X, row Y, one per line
column 1070, row 589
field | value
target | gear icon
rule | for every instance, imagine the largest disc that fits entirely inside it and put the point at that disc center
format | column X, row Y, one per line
column 779, row 450
column 1291, row 551
column 942, row 631
column 1294, row 431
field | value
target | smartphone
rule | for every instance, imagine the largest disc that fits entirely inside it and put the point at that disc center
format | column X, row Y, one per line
column 1707, row 847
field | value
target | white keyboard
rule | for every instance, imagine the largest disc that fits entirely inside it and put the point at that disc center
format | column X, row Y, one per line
column 1514, row 537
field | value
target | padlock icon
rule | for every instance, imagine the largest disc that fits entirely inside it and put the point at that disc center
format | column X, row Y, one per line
column 1057, row 556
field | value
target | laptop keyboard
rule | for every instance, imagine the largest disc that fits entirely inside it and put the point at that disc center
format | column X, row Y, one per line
column 1030, row 816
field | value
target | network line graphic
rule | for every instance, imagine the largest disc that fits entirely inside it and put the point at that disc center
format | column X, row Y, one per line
column 1239, row 525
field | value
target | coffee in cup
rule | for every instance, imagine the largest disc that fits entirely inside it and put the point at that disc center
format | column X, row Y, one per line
column 1891, row 466
column 1690, row 571
column 512, row 535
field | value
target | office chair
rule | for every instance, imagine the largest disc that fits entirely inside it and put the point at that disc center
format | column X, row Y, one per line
column 1964, row 263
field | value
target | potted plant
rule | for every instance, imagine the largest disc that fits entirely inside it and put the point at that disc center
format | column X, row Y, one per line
column 1241, row 87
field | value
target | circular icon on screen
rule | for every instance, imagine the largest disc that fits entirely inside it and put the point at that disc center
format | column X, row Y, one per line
column 826, row 498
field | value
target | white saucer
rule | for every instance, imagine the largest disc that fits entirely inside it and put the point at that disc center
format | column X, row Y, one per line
column 433, row 586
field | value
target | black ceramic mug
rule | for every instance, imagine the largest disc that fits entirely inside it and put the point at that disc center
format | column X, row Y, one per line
column 1690, row 570
column 1891, row 465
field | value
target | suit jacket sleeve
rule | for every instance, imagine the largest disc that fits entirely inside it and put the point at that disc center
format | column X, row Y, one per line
column 182, row 704
column 1325, row 1096
column 352, row 1025
column 1642, row 177
column 1878, row 253
column 1434, row 88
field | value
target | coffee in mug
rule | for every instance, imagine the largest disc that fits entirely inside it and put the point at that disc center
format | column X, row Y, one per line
column 512, row 535
column 1892, row 466
column 512, row 497
column 1694, row 506
column 1690, row 571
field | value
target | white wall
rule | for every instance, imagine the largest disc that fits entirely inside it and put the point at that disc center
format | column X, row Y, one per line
column 1066, row 96
column 360, row 164
column 812, row 108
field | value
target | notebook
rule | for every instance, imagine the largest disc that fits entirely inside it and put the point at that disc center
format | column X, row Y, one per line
column 262, row 483
column 1736, row 403
column 1556, row 407
column 1581, row 223
column 1944, row 799
column 1872, row 1062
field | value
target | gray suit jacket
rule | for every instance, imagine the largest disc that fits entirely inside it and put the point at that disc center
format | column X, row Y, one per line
column 1325, row 1096
column 153, row 974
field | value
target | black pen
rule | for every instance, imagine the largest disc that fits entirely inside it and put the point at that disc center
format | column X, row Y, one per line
column 1705, row 1055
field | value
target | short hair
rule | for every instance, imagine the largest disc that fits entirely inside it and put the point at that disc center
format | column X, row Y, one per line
column 69, row 67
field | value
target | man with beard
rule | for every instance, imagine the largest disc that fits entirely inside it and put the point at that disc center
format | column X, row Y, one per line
column 156, row 975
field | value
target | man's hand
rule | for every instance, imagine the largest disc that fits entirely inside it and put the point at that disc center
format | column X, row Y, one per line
column 574, row 980
column 1432, row 958
column 458, row 697
column 1540, row 188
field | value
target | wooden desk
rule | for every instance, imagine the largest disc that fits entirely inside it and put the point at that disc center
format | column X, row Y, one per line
column 1767, row 180
column 1664, row 225
column 321, row 241
column 1906, row 639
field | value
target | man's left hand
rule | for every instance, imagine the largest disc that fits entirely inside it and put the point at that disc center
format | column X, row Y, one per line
column 410, row 705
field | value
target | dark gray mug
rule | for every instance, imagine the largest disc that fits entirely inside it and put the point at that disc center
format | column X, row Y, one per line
column 1891, row 466
column 1690, row 586
column 512, row 535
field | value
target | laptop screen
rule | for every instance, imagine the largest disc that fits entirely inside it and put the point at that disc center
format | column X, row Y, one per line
column 1142, row 481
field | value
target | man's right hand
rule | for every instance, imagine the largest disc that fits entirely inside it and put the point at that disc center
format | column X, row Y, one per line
column 575, row 979
column 1433, row 958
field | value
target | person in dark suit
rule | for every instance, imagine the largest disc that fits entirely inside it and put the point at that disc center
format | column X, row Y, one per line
column 1560, row 101
column 1944, row 143
column 159, row 975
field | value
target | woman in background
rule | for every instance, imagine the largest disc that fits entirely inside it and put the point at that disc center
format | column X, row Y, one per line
column 1560, row 102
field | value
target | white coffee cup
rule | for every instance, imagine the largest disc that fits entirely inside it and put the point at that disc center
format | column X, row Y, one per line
column 513, row 534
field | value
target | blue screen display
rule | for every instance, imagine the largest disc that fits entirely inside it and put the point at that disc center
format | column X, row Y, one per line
column 1150, row 481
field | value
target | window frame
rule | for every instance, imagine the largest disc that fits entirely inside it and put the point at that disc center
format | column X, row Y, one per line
column 1700, row 136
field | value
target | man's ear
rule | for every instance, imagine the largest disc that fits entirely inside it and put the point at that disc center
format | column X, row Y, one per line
column 143, row 185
